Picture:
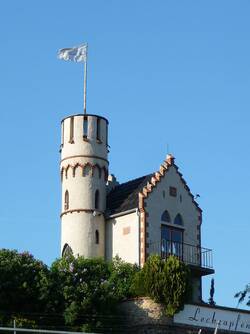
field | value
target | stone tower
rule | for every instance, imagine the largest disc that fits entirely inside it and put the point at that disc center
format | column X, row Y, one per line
column 84, row 171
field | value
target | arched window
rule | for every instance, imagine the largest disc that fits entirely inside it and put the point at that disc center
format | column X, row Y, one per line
column 67, row 250
column 97, row 199
column 87, row 170
column 97, row 237
column 166, row 217
column 66, row 200
column 178, row 220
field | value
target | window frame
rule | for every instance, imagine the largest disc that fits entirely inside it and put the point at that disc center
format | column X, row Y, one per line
column 171, row 246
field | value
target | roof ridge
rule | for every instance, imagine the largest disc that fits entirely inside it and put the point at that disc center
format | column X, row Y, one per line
column 137, row 178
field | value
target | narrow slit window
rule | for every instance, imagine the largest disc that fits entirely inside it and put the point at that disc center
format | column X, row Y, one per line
column 66, row 200
column 98, row 129
column 71, row 130
column 97, row 237
column 85, row 126
column 97, row 199
column 107, row 134
column 62, row 139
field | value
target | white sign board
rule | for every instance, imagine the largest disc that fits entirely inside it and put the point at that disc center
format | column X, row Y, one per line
column 201, row 316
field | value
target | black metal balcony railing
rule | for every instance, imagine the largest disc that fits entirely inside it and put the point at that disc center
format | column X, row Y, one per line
column 190, row 254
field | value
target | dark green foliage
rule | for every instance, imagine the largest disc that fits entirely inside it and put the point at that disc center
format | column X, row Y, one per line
column 22, row 281
column 241, row 295
column 81, row 287
column 82, row 293
column 122, row 277
column 78, row 292
column 87, row 290
column 211, row 298
column 165, row 281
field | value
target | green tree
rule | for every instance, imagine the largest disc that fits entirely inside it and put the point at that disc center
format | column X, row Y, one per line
column 22, row 281
column 81, row 289
column 122, row 276
column 165, row 281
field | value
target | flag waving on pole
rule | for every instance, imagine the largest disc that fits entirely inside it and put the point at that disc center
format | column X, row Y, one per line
column 77, row 54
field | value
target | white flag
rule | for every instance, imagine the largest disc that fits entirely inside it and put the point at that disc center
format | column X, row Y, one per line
column 77, row 53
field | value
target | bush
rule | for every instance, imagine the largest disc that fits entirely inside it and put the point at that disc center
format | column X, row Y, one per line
column 165, row 281
column 122, row 276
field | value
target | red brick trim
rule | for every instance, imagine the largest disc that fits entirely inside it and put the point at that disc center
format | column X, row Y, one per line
column 164, row 168
column 77, row 210
column 65, row 169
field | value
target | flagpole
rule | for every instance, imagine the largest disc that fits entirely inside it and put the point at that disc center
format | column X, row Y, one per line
column 85, row 83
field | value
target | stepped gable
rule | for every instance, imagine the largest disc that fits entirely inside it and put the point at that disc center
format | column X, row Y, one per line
column 125, row 196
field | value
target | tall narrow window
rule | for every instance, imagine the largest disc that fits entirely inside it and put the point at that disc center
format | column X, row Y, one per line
column 85, row 126
column 71, row 130
column 97, row 237
column 107, row 134
column 97, row 199
column 98, row 129
column 62, row 139
column 66, row 200
column 171, row 241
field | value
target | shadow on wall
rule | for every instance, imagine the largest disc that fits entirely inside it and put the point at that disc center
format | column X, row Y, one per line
column 109, row 240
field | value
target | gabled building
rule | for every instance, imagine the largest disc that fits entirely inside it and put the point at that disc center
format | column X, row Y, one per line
column 153, row 214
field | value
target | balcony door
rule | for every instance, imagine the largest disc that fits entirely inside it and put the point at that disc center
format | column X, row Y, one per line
column 171, row 241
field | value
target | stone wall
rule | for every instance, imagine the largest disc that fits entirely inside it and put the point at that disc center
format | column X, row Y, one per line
column 144, row 316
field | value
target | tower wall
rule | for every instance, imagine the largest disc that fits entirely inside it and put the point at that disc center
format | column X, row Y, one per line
column 84, row 170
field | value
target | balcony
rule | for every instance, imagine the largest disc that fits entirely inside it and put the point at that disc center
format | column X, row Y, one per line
column 198, row 258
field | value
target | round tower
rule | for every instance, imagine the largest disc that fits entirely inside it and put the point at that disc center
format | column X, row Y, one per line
column 84, row 171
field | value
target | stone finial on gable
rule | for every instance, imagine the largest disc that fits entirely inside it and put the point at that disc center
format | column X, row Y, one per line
column 169, row 159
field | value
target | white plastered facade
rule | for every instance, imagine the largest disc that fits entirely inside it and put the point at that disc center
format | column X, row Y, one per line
column 160, row 200
column 122, row 237
column 84, row 169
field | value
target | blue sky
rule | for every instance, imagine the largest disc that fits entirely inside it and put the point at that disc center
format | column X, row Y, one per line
column 166, row 74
